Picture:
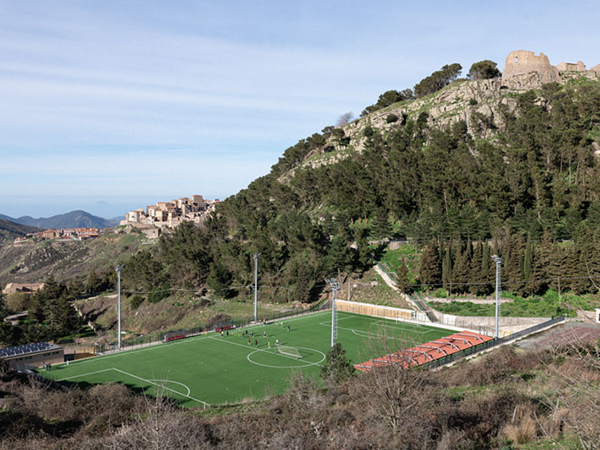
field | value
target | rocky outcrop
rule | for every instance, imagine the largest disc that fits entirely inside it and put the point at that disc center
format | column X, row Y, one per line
column 481, row 104
column 473, row 102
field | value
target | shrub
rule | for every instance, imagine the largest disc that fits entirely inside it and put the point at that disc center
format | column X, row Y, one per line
column 158, row 293
column 136, row 301
column 522, row 432
column 391, row 118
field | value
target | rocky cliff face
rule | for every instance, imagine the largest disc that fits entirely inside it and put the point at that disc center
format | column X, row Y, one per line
column 479, row 103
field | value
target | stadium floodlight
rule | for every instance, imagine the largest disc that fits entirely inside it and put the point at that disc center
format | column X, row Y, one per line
column 255, row 256
column 118, row 269
column 334, row 288
column 498, row 261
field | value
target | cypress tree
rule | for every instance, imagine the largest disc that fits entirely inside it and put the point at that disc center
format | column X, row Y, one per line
column 485, row 268
column 431, row 268
column 402, row 277
column 476, row 279
column 461, row 270
column 447, row 269
column 512, row 262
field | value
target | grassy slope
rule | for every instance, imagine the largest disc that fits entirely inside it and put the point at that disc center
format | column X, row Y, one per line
column 33, row 262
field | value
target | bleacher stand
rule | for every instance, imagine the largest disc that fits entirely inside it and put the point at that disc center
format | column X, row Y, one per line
column 32, row 355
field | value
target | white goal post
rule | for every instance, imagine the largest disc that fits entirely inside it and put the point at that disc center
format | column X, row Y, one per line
column 288, row 351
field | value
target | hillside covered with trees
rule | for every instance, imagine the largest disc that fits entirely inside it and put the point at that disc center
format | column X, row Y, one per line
column 529, row 189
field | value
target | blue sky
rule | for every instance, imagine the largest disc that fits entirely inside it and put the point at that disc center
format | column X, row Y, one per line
column 127, row 103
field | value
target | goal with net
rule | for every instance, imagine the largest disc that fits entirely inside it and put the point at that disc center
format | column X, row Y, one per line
column 288, row 351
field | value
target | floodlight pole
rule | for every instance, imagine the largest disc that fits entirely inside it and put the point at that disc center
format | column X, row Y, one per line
column 118, row 269
column 334, row 288
column 498, row 261
column 255, row 256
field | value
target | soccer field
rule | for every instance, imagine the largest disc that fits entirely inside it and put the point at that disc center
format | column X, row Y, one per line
column 212, row 369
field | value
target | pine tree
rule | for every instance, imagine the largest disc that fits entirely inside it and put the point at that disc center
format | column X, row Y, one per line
column 381, row 227
column 93, row 283
column 338, row 368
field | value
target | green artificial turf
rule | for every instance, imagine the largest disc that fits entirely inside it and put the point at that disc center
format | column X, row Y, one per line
column 216, row 369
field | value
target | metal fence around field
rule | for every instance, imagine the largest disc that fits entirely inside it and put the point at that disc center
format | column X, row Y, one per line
column 490, row 344
column 158, row 338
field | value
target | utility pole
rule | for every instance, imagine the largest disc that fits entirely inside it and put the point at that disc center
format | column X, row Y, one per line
column 118, row 269
column 334, row 288
column 255, row 257
column 498, row 261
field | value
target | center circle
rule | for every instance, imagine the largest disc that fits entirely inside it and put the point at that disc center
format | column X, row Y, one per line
column 249, row 358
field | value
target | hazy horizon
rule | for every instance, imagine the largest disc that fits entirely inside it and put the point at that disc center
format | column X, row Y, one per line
column 107, row 207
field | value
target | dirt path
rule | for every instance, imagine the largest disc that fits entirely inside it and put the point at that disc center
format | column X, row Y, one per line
column 567, row 333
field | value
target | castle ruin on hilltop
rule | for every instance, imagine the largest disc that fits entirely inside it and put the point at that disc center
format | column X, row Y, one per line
column 526, row 70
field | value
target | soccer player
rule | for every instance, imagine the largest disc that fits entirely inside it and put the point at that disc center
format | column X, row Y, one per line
column 288, row 328
column 256, row 342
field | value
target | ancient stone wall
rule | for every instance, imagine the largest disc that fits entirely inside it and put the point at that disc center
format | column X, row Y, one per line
column 523, row 62
column 570, row 67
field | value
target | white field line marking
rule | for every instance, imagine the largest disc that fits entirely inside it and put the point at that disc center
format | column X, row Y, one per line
column 183, row 341
column 84, row 375
column 389, row 323
column 379, row 324
column 264, row 351
column 290, row 319
column 161, row 386
column 339, row 319
column 367, row 335
column 129, row 352
column 142, row 379
column 176, row 382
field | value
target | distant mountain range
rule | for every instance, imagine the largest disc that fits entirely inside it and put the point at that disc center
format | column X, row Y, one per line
column 73, row 219
column 14, row 228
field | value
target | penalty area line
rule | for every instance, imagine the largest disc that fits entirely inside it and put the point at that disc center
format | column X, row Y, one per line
column 141, row 379
column 162, row 386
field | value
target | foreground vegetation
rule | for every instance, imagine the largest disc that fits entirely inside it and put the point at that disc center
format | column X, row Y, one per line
column 505, row 400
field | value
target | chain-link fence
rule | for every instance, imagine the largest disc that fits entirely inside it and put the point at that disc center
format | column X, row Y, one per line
column 490, row 344
column 158, row 338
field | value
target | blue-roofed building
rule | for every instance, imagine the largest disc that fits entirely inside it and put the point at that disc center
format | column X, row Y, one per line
column 32, row 355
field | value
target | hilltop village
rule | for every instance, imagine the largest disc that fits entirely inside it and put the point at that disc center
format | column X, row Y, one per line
column 64, row 234
column 168, row 215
